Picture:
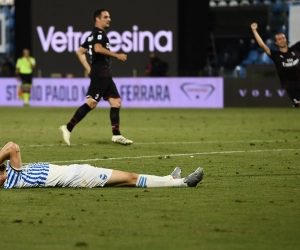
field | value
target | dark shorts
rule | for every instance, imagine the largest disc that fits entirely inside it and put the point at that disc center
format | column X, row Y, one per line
column 102, row 87
column 294, row 95
column 26, row 78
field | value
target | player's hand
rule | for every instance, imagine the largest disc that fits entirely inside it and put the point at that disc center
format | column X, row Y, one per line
column 122, row 57
column 254, row 26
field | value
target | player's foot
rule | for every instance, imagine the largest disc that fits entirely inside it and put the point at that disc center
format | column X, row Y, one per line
column 176, row 174
column 194, row 178
column 121, row 140
column 66, row 134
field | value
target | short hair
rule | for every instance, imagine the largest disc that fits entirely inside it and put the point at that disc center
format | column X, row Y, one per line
column 279, row 33
column 97, row 13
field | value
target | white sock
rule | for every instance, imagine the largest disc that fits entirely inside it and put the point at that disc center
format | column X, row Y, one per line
column 159, row 181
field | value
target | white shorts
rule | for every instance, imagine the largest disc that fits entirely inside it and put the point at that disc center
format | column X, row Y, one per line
column 77, row 175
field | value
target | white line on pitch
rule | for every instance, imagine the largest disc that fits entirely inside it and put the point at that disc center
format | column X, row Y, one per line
column 175, row 155
column 162, row 143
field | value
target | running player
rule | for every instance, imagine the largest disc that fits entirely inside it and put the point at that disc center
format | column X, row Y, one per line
column 98, row 66
column 43, row 174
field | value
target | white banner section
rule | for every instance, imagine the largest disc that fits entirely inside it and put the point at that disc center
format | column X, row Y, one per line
column 294, row 20
column 189, row 92
column 2, row 33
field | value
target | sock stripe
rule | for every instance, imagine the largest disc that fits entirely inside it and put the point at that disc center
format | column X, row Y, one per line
column 142, row 181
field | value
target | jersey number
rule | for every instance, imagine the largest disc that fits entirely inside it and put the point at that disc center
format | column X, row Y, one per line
column 90, row 49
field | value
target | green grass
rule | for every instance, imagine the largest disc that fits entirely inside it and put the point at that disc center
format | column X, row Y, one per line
column 249, row 197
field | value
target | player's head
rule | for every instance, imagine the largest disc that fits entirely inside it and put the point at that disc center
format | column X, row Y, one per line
column 280, row 40
column 101, row 18
column 26, row 52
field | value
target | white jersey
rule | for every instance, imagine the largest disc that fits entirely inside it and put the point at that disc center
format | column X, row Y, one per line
column 48, row 175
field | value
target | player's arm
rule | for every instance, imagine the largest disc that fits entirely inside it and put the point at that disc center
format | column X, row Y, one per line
column 31, row 62
column 99, row 49
column 259, row 40
column 18, row 67
column 82, row 58
column 296, row 46
column 11, row 151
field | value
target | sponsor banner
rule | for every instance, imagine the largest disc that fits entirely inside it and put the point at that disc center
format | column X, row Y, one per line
column 135, row 92
column 136, row 33
column 255, row 92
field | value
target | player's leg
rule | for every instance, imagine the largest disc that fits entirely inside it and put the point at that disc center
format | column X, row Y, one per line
column 113, row 97
column 22, row 86
column 11, row 151
column 26, row 88
column 93, row 97
column 294, row 95
column 125, row 179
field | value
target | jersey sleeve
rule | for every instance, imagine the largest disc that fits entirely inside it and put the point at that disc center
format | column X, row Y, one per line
column 12, row 178
column 99, row 38
column 273, row 54
column 296, row 46
column 32, row 60
column 85, row 45
column 18, row 63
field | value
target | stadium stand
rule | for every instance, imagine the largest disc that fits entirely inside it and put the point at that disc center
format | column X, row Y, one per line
column 251, row 54
column 7, row 55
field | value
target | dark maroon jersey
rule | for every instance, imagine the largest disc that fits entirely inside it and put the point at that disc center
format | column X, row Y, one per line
column 288, row 65
column 100, row 64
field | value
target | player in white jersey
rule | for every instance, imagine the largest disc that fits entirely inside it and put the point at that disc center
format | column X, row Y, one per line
column 43, row 174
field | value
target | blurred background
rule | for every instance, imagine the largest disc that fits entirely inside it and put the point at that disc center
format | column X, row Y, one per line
column 207, row 38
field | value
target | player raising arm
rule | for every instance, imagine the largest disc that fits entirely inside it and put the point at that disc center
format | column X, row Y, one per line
column 259, row 40
column 287, row 62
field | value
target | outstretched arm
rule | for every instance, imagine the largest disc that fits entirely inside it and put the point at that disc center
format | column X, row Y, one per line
column 11, row 151
column 259, row 40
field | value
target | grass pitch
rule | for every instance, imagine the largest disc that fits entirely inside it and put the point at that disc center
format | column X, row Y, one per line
column 249, row 197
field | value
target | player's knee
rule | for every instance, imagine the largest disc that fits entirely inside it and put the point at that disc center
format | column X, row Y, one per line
column 116, row 103
column 10, row 143
column 14, row 148
column 91, row 103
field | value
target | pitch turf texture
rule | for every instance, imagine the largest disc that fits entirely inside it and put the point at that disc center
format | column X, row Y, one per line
column 249, row 197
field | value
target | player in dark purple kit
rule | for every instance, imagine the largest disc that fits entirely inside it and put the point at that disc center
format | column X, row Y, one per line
column 287, row 63
column 102, row 85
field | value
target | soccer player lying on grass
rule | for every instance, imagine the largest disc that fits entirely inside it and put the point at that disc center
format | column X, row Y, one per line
column 43, row 174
